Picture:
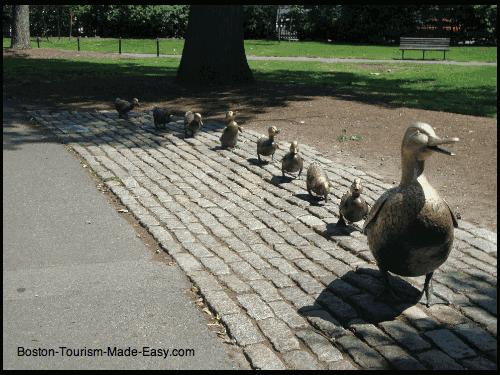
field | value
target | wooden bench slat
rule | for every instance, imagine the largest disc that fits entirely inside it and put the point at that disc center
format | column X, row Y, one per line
column 425, row 44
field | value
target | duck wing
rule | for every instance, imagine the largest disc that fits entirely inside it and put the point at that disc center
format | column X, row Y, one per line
column 453, row 217
column 379, row 204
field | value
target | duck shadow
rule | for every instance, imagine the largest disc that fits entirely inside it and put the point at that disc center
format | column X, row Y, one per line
column 352, row 297
column 255, row 161
column 332, row 229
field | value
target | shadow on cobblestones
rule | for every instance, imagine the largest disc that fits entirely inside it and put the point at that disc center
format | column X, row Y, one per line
column 292, row 290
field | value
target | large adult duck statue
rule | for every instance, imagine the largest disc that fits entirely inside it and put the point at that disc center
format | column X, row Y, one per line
column 410, row 228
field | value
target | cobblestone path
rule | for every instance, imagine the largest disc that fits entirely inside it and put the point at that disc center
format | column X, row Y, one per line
column 292, row 290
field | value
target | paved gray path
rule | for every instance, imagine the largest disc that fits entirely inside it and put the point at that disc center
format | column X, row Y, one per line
column 444, row 62
column 292, row 290
column 76, row 276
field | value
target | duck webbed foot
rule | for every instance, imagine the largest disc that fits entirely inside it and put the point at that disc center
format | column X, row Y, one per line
column 388, row 292
column 341, row 223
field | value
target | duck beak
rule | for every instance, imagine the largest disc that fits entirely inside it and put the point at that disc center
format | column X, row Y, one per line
column 436, row 141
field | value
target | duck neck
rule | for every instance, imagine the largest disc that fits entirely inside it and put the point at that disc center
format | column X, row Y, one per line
column 413, row 170
column 271, row 138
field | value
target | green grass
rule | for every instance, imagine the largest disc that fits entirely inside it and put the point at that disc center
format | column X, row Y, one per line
column 272, row 48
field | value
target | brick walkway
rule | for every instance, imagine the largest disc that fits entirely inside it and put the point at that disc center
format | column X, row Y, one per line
column 292, row 290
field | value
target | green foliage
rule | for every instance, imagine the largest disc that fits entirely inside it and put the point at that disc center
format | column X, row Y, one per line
column 259, row 21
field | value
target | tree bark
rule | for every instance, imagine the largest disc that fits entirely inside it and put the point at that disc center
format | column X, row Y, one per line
column 21, row 27
column 214, row 52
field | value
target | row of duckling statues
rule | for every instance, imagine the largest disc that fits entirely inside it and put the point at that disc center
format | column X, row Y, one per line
column 410, row 228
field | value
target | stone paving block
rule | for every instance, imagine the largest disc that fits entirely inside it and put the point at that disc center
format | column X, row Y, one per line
column 300, row 300
column 225, row 253
column 264, row 251
column 342, row 289
column 294, row 239
column 323, row 321
column 283, row 266
column 475, row 336
column 485, row 233
column 337, row 267
column 478, row 363
column 276, row 277
column 301, row 360
column 363, row 355
column 368, row 332
column 314, row 253
column 187, row 262
column 198, row 250
column 215, row 265
column 437, row 360
column 307, row 283
column 288, row 252
column 308, row 266
column 254, row 306
column 263, row 358
column 487, row 303
column 399, row 358
column 446, row 314
column 204, row 281
column 265, row 290
column 235, row 284
column 220, row 302
column 320, row 346
column 247, row 236
column 220, row 232
column 279, row 334
column 405, row 335
column 236, row 245
column 420, row 319
column 288, row 314
column 256, row 261
column 241, row 329
column 183, row 236
column 450, row 344
column 245, row 270
column 338, row 308
column 270, row 236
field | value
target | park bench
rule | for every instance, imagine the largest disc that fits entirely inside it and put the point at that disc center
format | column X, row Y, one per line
column 425, row 44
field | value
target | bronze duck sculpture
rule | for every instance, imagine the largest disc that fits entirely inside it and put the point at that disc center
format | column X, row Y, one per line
column 267, row 147
column 192, row 122
column 229, row 136
column 292, row 162
column 161, row 117
column 123, row 106
column 317, row 181
column 352, row 206
column 410, row 228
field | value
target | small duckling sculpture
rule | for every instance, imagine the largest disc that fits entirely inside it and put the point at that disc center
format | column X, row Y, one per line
column 410, row 228
column 192, row 122
column 317, row 181
column 352, row 206
column 161, row 117
column 292, row 162
column 267, row 147
column 229, row 136
column 123, row 106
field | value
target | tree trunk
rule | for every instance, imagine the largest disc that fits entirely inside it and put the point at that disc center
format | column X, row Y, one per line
column 214, row 51
column 70, row 23
column 21, row 28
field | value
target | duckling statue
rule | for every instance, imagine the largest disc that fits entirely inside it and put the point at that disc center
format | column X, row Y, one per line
column 161, row 117
column 267, row 147
column 410, row 228
column 317, row 181
column 229, row 136
column 292, row 162
column 192, row 122
column 352, row 206
column 123, row 106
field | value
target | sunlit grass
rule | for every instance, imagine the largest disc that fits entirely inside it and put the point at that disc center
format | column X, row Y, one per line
column 273, row 48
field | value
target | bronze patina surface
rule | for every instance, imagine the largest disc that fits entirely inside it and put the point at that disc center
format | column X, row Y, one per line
column 267, row 146
column 410, row 228
column 292, row 162
column 352, row 206
column 317, row 181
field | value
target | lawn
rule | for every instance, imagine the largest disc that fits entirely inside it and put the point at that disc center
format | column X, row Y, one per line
column 468, row 90
column 273, row 48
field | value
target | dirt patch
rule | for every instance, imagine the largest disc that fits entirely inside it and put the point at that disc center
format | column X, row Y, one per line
column 315, row 116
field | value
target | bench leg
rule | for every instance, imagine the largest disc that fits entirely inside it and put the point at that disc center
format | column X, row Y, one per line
column 423, row 54
column 403, row 54
column 444, row 55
